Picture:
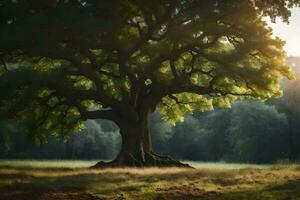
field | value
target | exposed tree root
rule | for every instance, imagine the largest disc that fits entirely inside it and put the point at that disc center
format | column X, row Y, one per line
column 150, row 160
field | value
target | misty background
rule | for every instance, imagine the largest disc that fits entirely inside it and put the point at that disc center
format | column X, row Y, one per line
column 251, row 132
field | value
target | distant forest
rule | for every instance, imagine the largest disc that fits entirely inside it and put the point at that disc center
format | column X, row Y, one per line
column 251, row 131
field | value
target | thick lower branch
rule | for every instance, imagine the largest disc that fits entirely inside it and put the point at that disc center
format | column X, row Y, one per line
column 100, row 114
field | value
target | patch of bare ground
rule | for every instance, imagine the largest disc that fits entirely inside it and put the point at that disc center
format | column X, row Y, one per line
column 184, row 192
column 224, row 181
column 9, row 193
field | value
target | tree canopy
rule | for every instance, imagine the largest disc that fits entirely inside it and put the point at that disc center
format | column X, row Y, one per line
column 64, row 62
column 251, row 132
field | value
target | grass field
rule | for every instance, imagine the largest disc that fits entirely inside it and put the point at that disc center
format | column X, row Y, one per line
column 58, row 180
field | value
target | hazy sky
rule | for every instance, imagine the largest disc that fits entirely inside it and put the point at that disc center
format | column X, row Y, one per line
column 289, row 32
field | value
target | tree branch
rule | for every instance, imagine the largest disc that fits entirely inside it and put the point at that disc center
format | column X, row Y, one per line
column 3, row 63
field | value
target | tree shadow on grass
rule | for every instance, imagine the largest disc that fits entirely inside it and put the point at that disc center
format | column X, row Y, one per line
column 13, row 193
column 21, row 186
column 289, row 190
column 53, row 188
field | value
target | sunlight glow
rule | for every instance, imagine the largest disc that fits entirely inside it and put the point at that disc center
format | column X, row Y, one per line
column 289, row 32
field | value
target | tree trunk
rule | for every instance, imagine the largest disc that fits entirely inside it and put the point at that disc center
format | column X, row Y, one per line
column 136, row 148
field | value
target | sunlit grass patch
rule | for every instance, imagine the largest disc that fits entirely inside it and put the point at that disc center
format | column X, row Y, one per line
column 223, row 165
column 47, row 163
column 87, row 163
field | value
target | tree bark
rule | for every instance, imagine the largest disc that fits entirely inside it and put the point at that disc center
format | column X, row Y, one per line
column 136, row 150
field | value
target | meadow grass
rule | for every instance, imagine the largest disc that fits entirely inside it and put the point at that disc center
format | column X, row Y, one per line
column 88, row 163
column 48, row 163
column 71, row 180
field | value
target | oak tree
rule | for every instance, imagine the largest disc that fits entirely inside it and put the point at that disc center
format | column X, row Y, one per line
column 68, row 61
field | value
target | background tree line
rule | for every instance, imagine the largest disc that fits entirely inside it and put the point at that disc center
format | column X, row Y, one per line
column 251, row 131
